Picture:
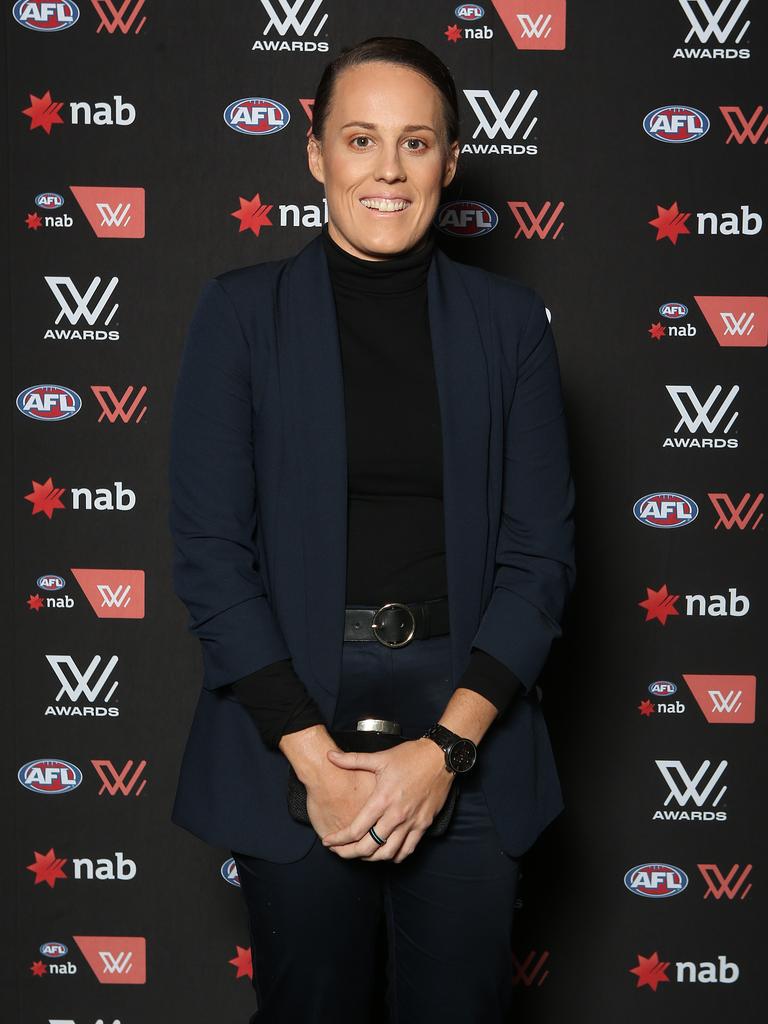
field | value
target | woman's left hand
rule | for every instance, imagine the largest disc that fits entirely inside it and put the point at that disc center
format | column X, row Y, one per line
column 412, row 784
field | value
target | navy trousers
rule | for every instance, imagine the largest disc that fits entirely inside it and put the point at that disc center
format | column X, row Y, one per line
column 339, row 941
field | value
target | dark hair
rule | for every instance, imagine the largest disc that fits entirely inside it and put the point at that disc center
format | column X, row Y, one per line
column 390, row 50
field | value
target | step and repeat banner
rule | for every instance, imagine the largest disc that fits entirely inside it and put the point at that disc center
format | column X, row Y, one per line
column 613, row 157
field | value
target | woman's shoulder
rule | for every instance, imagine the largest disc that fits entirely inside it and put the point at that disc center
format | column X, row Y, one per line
column 509, row 291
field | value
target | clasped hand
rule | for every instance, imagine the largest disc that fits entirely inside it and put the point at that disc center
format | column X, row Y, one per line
column 399, row 791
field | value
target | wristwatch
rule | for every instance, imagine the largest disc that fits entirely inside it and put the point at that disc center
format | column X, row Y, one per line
column 460, row 753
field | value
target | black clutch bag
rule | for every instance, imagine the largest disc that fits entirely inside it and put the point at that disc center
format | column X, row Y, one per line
column 367, row 741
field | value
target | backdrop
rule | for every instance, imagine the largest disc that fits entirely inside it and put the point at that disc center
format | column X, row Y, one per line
column 613, row 157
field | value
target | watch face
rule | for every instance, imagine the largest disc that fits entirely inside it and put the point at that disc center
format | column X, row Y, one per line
column 462, row 755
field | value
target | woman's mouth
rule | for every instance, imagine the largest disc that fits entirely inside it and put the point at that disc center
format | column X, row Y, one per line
column 385, row 205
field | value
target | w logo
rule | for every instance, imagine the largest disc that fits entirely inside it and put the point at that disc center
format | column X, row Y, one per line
column 290, row 19
column 76, row 684
column 736, row 320
column 534, row 24
column 743, row 130
column 688, row 787
column 530, row 970
column 115, row 782
column 498, row 120
column 724, row 698
column 701, row 417
column 706, row 23
column 113, row 593
column 115, row 408
column 729, row 885
column 116, row 20
column 81, row 304
column 540, row 224
column 729, row 515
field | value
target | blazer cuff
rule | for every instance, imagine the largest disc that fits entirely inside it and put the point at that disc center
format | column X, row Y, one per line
column 490, row 678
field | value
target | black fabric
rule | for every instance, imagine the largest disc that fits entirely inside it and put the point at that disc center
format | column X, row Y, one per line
column 396, row 538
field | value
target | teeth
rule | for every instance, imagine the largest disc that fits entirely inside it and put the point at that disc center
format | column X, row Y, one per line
column 385, row 205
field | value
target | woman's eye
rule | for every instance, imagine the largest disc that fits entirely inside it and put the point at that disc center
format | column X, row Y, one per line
column 361, row 138
column 419, row 142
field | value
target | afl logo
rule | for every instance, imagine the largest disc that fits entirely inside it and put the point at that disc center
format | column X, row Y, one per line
column 676, row 124
column 50, row 582
column 54, row 950
column 466, row 218
column 665, row 510
column 50, row 776
column 673, row 310
column 229, row 872
column 656, row 881
column 470, row 12
column 255, row 115
column 662, row 688
column 49, row 200
column 49, row 402
column 52, row 17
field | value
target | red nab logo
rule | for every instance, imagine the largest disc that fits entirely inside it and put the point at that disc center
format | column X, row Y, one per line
column 540, row 224
column 112, row 212
column 737, row 321
column 725, row 885
column 115, row 959
column 729, row 699
column 743, row 129
column 534, row 24
column 113, row 593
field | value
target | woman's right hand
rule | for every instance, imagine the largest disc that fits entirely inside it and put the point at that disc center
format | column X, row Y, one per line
column 334, row 795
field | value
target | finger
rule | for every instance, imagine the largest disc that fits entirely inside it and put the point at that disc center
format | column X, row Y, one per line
column 393, row 844
column 368, row 815
column 355, row 759
column 409, row 844
column 367, row 845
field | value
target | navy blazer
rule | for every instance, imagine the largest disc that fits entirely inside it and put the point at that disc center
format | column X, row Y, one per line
column 258, row 515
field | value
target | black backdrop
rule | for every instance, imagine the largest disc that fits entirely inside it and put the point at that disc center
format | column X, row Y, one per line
column 695, row 896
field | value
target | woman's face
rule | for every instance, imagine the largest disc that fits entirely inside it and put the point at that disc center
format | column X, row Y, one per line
column 382, row 159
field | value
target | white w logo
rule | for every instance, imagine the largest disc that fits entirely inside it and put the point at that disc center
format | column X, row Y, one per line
column 676, row 393
column 540, row 28
column 691, row 789
column 120, row 597
column 61, row 662
column 290, row 20
column 81, row 302
column 738, row 325
column 726, row 705
column 711, row 20
column 119, row 215
column 120, row 964
column 500, row 123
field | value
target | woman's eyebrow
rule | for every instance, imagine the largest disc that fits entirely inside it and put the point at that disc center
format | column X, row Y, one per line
column 405, row 128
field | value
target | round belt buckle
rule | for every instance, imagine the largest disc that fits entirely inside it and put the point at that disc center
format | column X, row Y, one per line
column 376, row 625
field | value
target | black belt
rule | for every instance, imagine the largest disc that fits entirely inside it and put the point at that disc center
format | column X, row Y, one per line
column 395, row 624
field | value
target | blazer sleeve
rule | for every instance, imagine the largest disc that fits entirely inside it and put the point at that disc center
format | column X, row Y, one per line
column 535, row 564
column 213, row 508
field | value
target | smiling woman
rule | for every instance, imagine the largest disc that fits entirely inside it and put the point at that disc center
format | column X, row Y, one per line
column 374, row 537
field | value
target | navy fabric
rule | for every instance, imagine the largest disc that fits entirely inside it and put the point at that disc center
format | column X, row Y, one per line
column 359, row 942
column 258, row 495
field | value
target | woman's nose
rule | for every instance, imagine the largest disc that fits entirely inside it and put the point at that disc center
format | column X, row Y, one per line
column 389, row 164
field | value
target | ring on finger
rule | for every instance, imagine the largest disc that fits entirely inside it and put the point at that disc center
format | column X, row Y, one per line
column 375, row 836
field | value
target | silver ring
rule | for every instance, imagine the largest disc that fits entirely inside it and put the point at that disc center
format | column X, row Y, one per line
column 372, row 833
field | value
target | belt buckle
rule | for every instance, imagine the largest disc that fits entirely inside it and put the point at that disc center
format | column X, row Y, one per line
column 375, row 625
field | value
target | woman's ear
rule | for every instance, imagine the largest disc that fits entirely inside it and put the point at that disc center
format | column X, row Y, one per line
column 450, row 164
column 315, row 159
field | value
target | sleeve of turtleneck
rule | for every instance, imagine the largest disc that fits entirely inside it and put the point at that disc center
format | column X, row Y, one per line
column 277, row 701
column 490, row 678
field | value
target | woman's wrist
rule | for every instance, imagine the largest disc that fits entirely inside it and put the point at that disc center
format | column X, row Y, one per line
column 306, row 749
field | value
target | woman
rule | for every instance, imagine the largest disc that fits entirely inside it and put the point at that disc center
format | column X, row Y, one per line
column 372, row 509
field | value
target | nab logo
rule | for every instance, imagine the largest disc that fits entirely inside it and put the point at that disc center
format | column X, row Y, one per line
column 466, row 218
column 49, row 403
column 664, row 510
column 297, row 17
column 543, row 224
column 255, row 115
column 46, row 17
column 676, row 124
column 534, row 24
column 655, row 880
column 50, row 776
column 724, row 699
column 45, row 112
column 112, row 212
column 737, row 321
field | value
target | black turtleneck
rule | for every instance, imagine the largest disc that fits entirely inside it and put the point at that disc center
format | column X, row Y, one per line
column 395, row 539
